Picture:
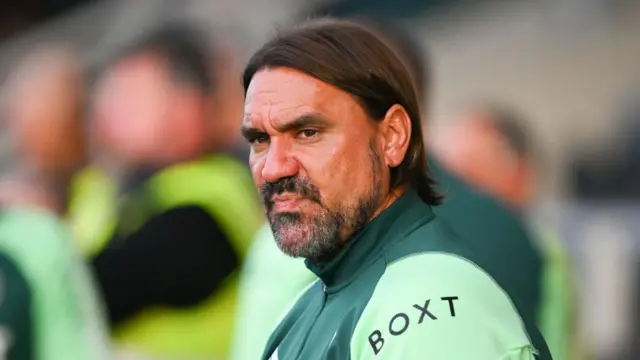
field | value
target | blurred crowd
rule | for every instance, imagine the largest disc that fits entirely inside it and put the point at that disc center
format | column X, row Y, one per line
column 143, row 169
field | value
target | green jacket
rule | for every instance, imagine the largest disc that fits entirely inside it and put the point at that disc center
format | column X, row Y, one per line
column 483, row 224
column 49, row 308
column 405, row 288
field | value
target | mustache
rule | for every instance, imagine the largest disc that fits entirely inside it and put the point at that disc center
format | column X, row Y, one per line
column 294, row 185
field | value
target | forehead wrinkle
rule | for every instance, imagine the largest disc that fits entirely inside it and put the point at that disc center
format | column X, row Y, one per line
column 277, row 118
column 271, row 102
column 257, row 120
column 284, row 116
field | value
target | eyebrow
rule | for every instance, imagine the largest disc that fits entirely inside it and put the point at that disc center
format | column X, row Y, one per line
column 301, row 122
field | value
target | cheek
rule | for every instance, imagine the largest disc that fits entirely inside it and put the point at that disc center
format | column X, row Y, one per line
column 256, row 163
column 338, row 170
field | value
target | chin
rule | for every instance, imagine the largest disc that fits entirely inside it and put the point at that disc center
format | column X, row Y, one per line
column 292, row 239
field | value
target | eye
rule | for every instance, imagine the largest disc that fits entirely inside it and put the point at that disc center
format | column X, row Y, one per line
column 258, row 139
column 308, row 133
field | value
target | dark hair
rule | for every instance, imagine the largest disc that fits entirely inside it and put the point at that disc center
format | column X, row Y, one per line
column 352, row 58
column 185, row 50
column 397, row 36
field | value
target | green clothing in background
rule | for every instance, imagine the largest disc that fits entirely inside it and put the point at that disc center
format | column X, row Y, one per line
column 406, row 288
column 49, row 309
column 558, row 317
column 270, row 282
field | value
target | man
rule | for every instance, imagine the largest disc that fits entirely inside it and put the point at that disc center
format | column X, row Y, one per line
column 48, row 304
column 48, row 134
column 333, row 120
column 482, row 221
column 490, row 148
column 159, row 212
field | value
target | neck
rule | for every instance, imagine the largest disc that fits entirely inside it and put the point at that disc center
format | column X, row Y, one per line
column 30, row 187
column 391, row 197
column 400, row 217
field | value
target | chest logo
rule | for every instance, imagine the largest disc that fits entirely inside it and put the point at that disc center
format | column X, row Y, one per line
column 400, row 322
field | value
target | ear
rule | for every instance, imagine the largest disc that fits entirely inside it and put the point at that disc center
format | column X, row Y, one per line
column 395, row 132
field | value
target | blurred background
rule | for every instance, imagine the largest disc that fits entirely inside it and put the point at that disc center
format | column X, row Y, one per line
column 570, row 69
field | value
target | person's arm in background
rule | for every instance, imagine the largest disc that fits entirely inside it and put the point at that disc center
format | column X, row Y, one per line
column 16, row 312
column 457, row 314
column 177, row 258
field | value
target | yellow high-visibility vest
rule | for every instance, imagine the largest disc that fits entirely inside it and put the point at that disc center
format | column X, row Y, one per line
column 219, row 184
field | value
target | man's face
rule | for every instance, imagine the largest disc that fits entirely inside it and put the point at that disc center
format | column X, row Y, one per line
column 130, row 109
column 315, row 158
column 49, row 131
column 474, row 149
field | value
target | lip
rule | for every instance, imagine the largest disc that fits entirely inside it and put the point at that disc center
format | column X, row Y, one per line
column 286, row 203
column 284, row 197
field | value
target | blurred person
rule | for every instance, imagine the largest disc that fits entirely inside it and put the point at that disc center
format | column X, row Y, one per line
column 482, row 221
column 165, row 213
column 47, row 133
column 491, row 149
column 333, row 120
column 49, row 308
column 224, row 133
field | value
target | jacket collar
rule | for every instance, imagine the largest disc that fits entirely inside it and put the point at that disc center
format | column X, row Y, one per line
column 390, row 226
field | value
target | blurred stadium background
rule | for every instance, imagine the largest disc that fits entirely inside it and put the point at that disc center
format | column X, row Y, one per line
column 572, row 66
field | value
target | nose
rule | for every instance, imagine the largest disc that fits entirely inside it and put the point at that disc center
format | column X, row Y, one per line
column 279, row 163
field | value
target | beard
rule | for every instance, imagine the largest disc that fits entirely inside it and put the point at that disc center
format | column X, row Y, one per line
column 319, row 235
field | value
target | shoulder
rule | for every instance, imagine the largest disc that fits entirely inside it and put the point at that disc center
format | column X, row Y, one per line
column 436, row 275
column 32, row 228
column 434, row 302
column 38, row 240
column 433, row 236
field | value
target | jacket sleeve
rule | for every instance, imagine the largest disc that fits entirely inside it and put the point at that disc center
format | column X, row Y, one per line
column 439, row 306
